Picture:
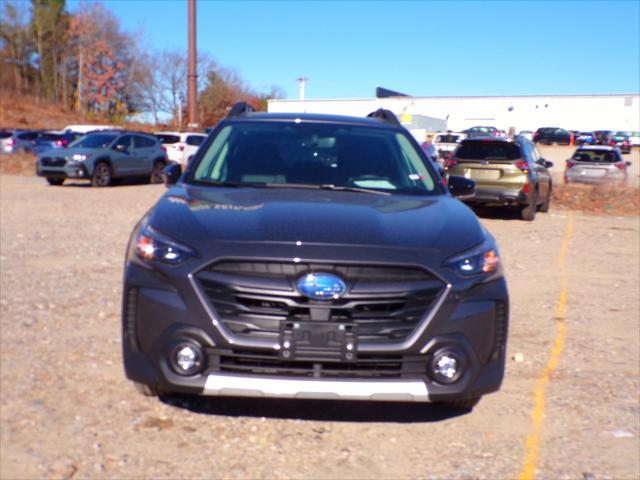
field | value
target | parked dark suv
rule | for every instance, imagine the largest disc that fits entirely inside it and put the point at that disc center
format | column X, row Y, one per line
column 551, row 135
column 314, row 256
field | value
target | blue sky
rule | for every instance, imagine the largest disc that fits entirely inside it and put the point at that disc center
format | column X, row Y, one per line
column 420, row 48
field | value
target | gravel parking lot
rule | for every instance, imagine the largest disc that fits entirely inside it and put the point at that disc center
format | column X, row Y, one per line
column 67, row 410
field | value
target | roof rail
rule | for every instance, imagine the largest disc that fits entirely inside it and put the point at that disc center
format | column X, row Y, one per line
column 385, row 116
column 240, row 108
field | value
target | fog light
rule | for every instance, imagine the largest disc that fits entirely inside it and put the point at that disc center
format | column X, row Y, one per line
column 186, row 359
column 446, row 366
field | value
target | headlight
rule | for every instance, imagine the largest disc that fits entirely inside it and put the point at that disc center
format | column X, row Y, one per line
column 485, row 259
column 79, row 157
column 154, row 246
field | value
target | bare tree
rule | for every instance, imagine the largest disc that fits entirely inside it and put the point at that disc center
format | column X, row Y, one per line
column 16, row 45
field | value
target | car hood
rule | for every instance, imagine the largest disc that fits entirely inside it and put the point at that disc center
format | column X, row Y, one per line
column 196, row 216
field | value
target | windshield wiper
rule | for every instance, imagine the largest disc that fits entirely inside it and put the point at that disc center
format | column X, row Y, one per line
column 326, row 186
column 353, row 189
column 218, row 183
column 308, row 186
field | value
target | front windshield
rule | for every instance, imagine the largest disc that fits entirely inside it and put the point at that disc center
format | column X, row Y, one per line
column 314, row 155
column 96, row 140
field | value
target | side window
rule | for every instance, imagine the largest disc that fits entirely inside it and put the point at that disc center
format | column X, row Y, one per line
column 143, row 142
column 126, row 141
column 195, row 140
column 212, row 165
column 28, row 136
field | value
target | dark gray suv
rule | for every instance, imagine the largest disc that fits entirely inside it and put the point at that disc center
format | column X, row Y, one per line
column 314, row 256
column 104, row 156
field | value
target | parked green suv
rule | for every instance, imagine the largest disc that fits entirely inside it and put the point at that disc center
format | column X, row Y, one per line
column 104, row 156
column 507, row 173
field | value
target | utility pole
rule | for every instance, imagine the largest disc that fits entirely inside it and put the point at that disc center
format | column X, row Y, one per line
column 192, row 79
column 302, row 81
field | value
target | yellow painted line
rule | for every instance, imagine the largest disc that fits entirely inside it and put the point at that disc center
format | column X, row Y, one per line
column 533, row 440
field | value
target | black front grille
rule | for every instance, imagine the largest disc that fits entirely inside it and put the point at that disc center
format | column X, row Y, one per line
column 253, row 298
column 53, row 162
column 356, row 272
column 269, row 363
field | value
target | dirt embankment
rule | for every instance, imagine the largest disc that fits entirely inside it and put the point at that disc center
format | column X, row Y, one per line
column 25, row 112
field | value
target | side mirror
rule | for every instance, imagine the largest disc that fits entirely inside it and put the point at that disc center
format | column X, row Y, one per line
column 171, row 174
column 461, row 187
column 628, row 164
column 548, row 164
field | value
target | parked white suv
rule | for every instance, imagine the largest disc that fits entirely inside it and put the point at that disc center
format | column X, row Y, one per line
column 180, row 146
column 85, row 128
column 447, row 142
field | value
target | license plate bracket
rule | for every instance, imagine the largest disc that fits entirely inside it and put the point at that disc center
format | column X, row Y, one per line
column 318, row 341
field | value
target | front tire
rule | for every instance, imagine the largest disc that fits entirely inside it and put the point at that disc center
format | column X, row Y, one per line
column 156, row 173
column 55, row 181
column 102, row 176
column 465, row 404
column 146, row 390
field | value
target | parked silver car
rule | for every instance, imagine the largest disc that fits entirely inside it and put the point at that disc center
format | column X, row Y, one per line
column 596, row 164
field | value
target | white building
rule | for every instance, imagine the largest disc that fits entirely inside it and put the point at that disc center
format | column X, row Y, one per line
column 572, row 112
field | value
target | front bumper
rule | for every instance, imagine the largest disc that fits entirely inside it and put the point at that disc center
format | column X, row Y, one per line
column 162, row 308
column 78, row 171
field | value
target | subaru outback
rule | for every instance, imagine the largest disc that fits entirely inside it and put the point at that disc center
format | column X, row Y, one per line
column 314, row 256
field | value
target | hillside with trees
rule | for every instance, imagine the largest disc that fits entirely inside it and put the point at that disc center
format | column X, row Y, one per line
column 85, row 64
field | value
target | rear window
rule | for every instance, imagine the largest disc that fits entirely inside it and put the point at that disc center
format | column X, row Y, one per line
column 447, row 139
column 28, row 136
column 195, row 140
column 482, row 129
column 49, row 137
column 597, row 156
column 483, row 150
column 167, row 139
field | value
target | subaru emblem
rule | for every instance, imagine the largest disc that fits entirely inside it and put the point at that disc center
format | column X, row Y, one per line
column 321, row 286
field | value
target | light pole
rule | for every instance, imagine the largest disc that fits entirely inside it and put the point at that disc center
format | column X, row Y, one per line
column 192, row 79
column 302, row 81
